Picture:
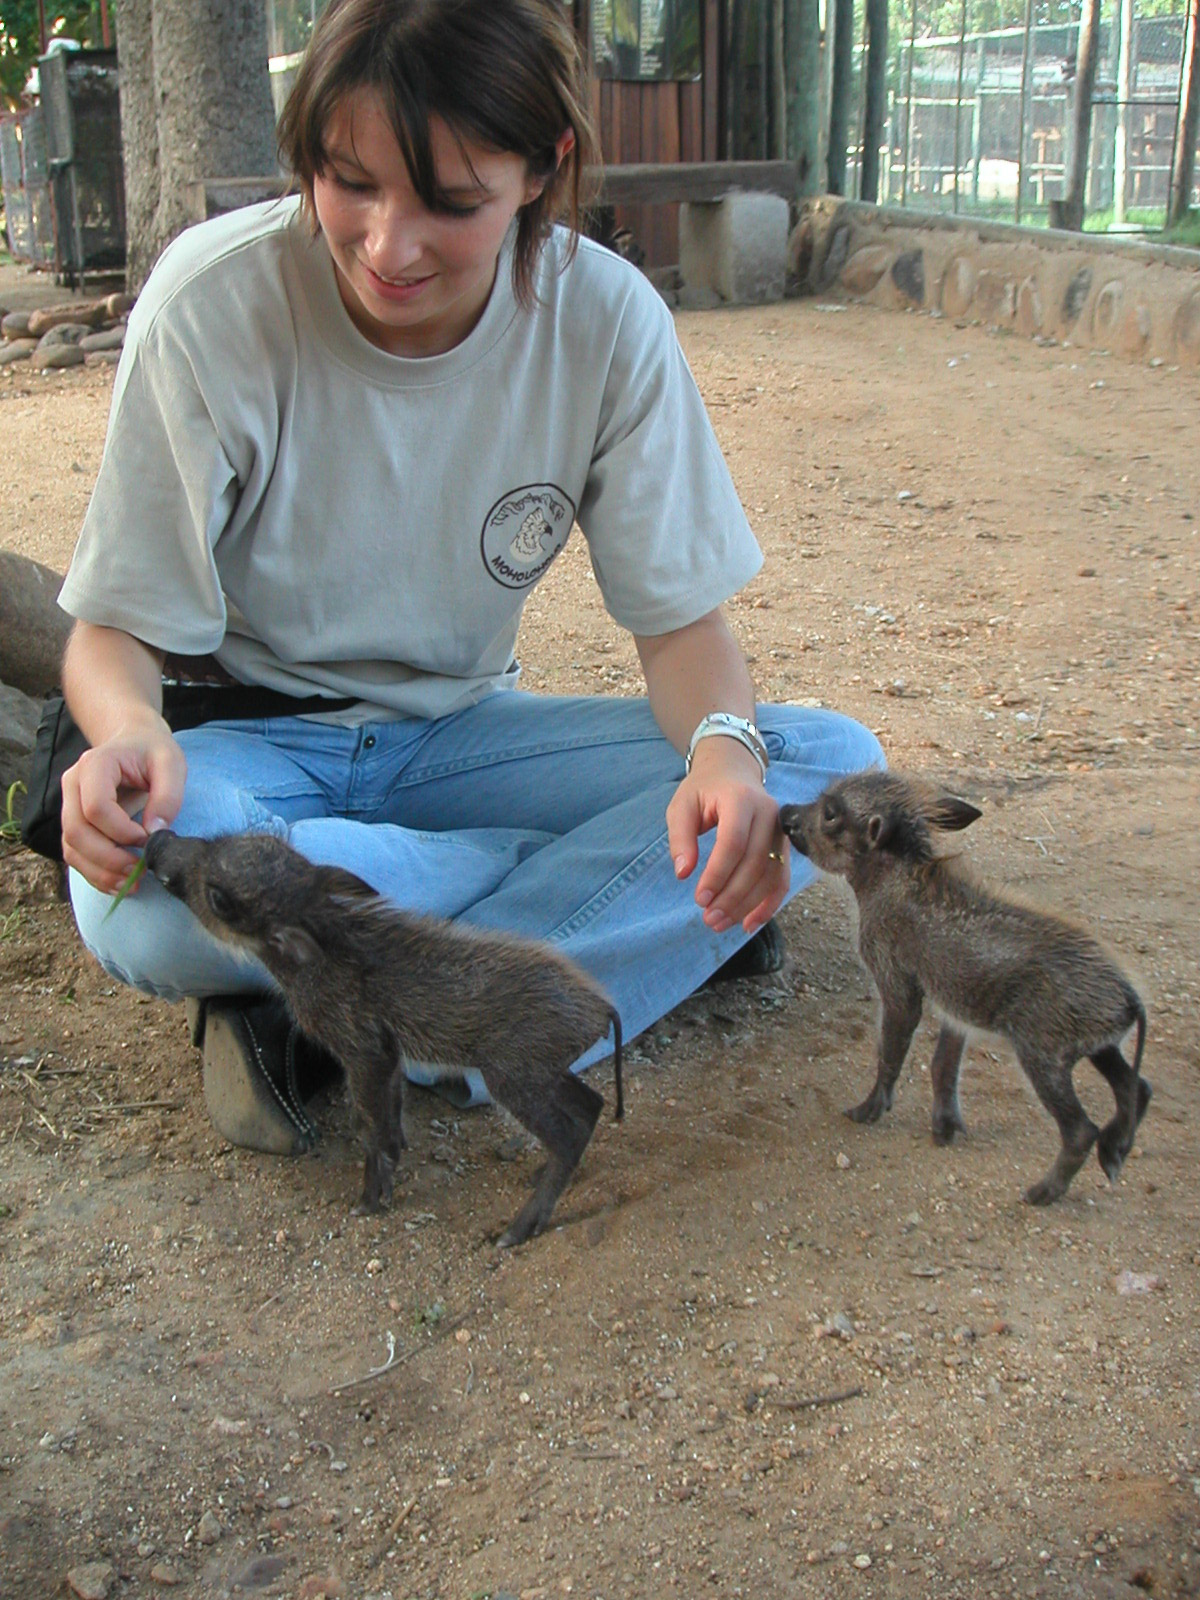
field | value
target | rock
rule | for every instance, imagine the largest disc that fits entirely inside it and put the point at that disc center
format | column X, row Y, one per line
column 106, row 339
column 57, row 356
column 92, row 1581
column 91, row 312
column 209, row 1529
column 1187, row 330
column 865, row 268
column 1030, row 311
column 15, row 325
column 102, row 358
column 162, row 1572
column 19, row 717
column 328, row 1587
column 1107, row 311
column 64, row 333
column 958, row 287
column 995, row 297
column 16, row 350
column 260, row 1572
column 118, row 305
column 908, row 274
column 1075, row 296
column 33, row 628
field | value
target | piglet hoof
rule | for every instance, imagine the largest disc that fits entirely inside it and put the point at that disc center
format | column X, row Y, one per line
column 1046, row 1191
column 872, row 1108
column 526, row 1225
column 946, row 1128
column 378, row 1183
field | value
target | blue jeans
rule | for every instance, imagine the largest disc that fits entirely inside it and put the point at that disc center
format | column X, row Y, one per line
column 543, row 816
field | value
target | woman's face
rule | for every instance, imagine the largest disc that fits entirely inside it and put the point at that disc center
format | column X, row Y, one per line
column 414, row 281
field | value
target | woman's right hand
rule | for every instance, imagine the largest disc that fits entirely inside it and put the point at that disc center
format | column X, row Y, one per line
column 140, row 770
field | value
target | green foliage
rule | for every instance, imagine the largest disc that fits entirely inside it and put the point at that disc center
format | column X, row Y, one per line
column 20, row 40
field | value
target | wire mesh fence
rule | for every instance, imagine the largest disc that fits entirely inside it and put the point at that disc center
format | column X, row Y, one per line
column 978, row 120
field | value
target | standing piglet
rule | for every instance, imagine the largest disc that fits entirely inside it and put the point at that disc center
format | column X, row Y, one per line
column 373, row 984
column 926, row 928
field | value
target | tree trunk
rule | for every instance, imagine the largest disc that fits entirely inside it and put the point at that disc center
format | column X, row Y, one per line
column 195, row 103
column 1070, row 215
column 139, row 134
column 839, row 95
column 802, row 39
column 875, row 109
column 1183, row 168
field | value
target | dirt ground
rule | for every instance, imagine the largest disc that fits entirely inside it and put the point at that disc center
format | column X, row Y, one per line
column 765, row 1352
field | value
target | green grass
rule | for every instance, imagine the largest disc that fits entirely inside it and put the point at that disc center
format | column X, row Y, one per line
column 10, row 823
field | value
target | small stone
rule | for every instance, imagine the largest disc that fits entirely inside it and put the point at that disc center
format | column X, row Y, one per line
column 47, row 1441
column 374, row 1266
column 328, row 1587
column 57, row 356
column 842, row 1325
column 162, row 1572
column 92, row 1581
column 145, row 1549
column 1137, row 1282
column 862, row 1562
column 209, row 1530
column 843, row 1161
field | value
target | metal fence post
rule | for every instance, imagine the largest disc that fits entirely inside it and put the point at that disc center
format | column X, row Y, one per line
column 912, row 50
column 1025, row 64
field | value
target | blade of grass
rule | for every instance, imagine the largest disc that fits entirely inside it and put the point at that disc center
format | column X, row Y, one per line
column 135, row 873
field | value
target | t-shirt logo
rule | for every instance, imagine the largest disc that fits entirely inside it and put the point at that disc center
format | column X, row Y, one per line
column 524, row 531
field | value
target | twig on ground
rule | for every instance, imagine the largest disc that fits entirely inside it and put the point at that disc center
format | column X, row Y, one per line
column 813, row 1401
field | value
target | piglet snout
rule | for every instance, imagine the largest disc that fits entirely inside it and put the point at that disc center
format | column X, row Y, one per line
column 791, row 820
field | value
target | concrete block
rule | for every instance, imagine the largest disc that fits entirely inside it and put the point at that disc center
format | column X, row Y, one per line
column 736, row 246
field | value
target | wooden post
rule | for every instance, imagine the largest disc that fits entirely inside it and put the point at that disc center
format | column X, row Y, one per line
column 1183, row 166
column 875, row 95
column 1070, row 215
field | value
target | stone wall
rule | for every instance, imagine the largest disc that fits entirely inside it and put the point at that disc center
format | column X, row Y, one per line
column 1127, row 296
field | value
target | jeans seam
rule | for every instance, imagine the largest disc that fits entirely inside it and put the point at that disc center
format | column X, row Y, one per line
column 635, row 869
column 445, row 769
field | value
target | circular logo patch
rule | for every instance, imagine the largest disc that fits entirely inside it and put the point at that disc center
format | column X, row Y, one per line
column 524, row 531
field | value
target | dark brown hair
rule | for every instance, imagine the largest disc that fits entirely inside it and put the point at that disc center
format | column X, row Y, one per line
column 505, row 74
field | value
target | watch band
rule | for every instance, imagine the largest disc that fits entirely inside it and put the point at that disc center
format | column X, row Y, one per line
column 728, row 726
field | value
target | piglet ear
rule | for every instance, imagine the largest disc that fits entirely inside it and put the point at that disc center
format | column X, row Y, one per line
column 297, row 947
column 344, row 885
column 879, row 831
column 951, row 814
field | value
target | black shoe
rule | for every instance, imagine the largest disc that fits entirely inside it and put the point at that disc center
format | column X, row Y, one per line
column 259, row 1069
column 762, row 953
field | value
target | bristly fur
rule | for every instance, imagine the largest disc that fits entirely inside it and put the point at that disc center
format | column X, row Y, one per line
column 928, row 929
column 374, row 984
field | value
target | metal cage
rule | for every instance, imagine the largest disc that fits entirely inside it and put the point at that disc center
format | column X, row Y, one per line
column 83, row 145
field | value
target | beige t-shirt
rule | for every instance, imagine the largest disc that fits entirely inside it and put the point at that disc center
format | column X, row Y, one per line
column 326, row 517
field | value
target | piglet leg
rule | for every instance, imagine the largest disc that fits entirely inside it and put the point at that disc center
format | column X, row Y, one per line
column 944, row 1069
column 901, row 1013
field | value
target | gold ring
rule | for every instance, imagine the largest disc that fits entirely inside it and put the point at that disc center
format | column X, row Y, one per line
column 775, row 855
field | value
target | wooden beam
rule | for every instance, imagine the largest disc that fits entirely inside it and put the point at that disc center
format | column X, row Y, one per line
column 638, row 183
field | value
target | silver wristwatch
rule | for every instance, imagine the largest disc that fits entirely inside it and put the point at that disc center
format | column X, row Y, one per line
column 730, row 727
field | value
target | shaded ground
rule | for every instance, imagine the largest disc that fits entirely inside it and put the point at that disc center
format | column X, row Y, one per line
column 987, row 551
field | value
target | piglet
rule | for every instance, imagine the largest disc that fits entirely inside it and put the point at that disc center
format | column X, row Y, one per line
column 929, row 929
column 374, row 984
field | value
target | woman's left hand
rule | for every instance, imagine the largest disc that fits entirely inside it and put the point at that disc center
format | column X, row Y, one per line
column 748, row 873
